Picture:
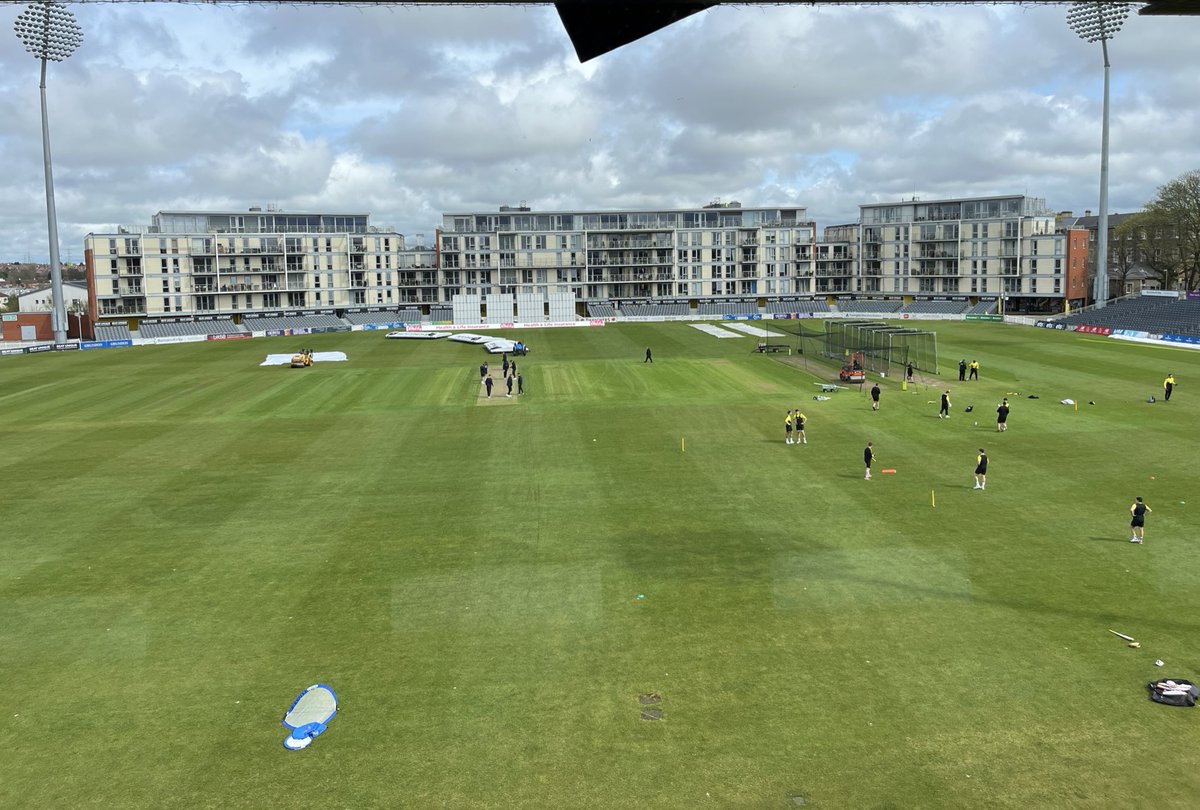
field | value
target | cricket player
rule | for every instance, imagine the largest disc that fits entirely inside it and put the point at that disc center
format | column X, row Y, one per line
column 1137, row 521
column 981, row 470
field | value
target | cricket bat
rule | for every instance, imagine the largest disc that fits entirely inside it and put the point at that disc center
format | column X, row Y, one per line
column 1122, row 635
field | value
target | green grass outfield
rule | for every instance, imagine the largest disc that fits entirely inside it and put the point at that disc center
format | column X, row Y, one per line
column 188, row 540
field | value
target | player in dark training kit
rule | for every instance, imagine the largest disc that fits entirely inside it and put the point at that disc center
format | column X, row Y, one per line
column 1137, row 521
column 981, row 470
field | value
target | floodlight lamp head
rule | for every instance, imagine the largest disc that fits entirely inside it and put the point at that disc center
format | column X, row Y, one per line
column 1094, row 21
column 48, row 31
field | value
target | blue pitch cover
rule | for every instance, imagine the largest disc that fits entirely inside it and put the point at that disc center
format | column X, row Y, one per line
column 309, row 715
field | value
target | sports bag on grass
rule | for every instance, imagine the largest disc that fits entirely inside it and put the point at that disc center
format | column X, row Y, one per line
column 1173, row 692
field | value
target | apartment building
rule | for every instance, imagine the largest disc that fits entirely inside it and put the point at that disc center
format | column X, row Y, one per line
column 836, row 261
column 189, row 264
column 711, row 252
column 255, row 262
column 1004, row 247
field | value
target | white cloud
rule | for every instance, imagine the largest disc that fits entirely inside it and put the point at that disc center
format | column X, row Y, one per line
column 411, row 112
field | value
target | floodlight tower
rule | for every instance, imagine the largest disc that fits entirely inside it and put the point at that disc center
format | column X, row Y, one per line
column 1099, row 22
column 49, row 32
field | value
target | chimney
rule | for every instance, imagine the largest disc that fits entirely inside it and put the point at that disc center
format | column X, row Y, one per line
column 1087, row 212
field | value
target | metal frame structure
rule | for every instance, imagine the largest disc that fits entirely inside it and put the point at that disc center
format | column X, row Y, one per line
column 49, row 32
column 1099, row 22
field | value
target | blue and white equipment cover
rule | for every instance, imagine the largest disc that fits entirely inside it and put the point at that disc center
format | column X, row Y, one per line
column 309, row 715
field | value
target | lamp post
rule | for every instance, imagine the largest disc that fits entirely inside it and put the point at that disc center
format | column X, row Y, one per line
column 1099, row 22
column 49, row 32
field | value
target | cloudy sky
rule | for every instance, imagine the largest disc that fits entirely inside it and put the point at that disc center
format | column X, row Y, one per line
column 407, row 113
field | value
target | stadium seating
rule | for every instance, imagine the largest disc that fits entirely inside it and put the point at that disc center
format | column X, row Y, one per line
column 393, row 316
column 800, row 305
column 747, row 307
column 441, row 313
column 189, row 328
column 264, row 324
column 983, row 308
column 113, row 332
column 654, row 310
column 846, row 305
column 1146, row 313
column 601, row 310
column 935, row 308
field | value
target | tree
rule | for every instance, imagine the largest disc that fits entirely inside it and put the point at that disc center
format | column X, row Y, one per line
column 1125, row 248
column 1171, row 224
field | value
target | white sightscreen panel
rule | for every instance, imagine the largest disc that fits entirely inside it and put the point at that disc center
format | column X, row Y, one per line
column 466, row 308
column 499, row 308
column 530, row 308
column 562, row 307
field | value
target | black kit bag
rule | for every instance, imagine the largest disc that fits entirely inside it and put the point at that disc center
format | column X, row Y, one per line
column 1173, row 692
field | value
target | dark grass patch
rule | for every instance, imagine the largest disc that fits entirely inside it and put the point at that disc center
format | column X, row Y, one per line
column 649, row 698
column 652, row 714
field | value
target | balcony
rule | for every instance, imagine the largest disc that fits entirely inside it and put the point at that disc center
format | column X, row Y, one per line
column 120, row 310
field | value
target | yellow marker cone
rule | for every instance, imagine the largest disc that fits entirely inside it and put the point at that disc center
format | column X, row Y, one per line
column 682, row 445
column 933, row 499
